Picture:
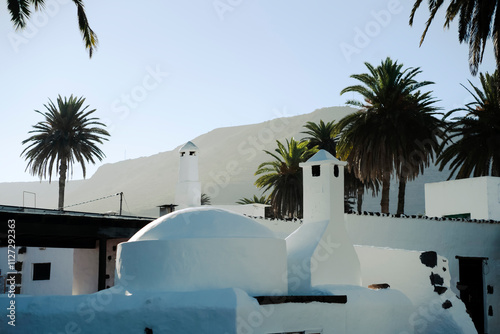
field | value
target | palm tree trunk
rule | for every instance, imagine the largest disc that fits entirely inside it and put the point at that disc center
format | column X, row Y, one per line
column 386, row 186
column 496, row 46
column 359, row 201
column 62, row 183
column 401, row 195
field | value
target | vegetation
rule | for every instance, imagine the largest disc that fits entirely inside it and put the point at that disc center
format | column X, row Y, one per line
column 260, row 200
column 283, row 176
column 20, row 13
column 394, row 132
column 472, row 146
column 321, row 135
column 477, row 21
column 205, row 199
column 68, row 134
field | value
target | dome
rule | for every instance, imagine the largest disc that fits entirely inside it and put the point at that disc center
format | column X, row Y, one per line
column 203, row 248
column 202, row 222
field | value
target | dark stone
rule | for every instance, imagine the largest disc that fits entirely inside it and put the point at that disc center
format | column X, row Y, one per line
column 436, row 279
column 18, row 266
column 379, row 286
column 148, row 330
column 429, row 259
column 444, row 268
column 440, row 289
column 447, row 304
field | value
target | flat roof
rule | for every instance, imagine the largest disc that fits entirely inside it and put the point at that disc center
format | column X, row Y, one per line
column 36, row 227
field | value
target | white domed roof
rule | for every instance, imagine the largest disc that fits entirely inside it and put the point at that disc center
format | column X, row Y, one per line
column 202, row 222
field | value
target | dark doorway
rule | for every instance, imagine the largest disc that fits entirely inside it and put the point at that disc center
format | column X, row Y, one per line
column 472, row 289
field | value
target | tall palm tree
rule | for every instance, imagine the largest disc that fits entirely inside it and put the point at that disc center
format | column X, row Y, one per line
column 383, row 138
column 420, row 138
column 477, row 21
column 284, row 176
column 20, row 13
column 67, row 135
column 473, row 144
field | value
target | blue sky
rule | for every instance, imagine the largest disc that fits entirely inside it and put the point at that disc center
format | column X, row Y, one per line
column 168, row 71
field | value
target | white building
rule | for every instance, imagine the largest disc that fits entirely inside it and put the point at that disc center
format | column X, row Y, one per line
column 209, row 270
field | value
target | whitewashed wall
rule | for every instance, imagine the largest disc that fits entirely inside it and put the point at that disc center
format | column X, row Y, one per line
column 61, row 280
column 85, row 271
column 479, row 196
column 86, row 268
column 447, row 238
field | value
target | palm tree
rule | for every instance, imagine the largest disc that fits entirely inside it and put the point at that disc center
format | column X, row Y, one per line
column 20, row 13
column 473, row 144
column 261, row 200
column 205, row 199
column 321, row 135
column 67, row 135
column 477, row 21
column 394, row 131
column 284, row 176
column 420, row 140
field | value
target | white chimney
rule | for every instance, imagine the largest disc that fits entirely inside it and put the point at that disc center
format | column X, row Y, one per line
column 188, row 190
column 320, row 252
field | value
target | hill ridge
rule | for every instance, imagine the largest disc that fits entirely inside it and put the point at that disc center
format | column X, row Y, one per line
column 228, row 159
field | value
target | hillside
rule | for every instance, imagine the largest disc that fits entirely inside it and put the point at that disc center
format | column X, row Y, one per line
column 228, row 160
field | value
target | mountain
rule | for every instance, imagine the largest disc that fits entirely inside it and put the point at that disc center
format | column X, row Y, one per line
column 228, row 159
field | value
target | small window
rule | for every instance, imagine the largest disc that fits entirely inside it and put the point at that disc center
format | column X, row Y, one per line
column 192, row 153
column 316, row 170
column 182, row 154
column 41, row 271
column 336, row 171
